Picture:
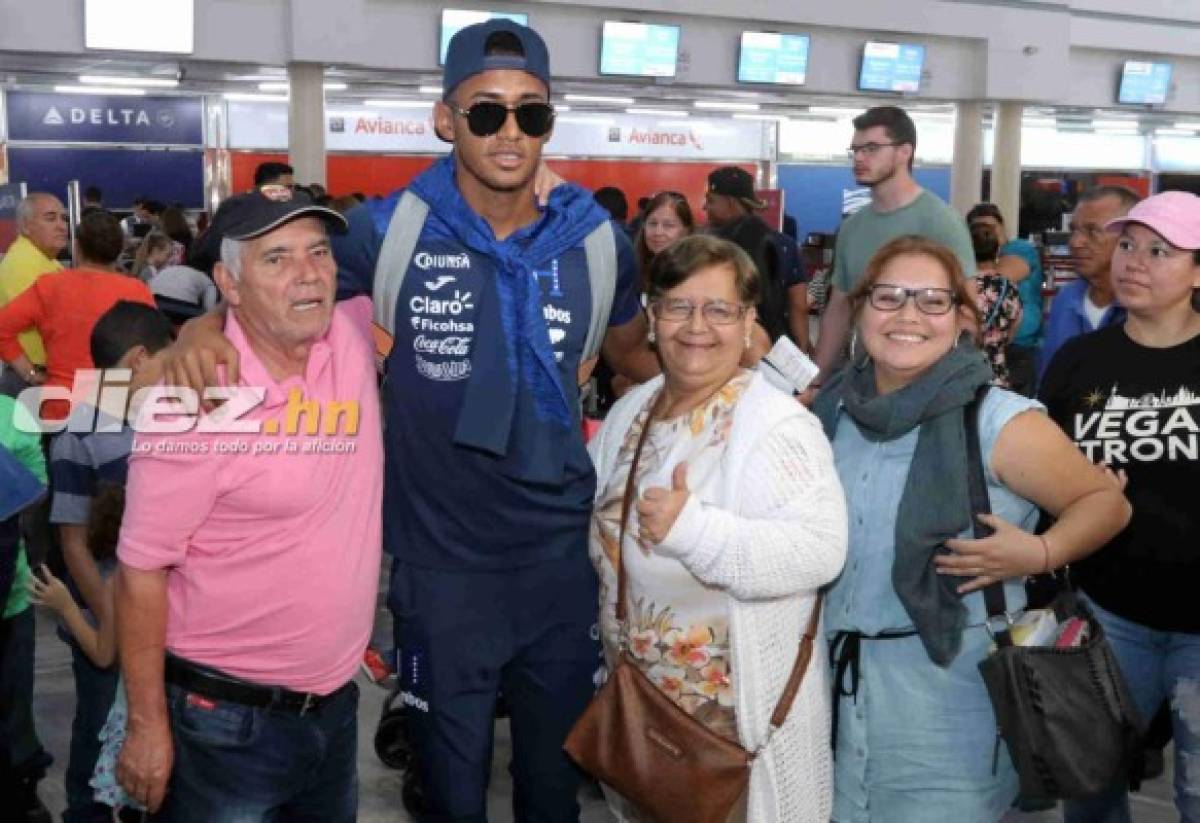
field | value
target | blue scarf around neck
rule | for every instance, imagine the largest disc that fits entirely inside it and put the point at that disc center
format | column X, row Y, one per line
column 515, row 406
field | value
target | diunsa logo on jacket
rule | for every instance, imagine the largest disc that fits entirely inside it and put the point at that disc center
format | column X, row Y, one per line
column 426, row 261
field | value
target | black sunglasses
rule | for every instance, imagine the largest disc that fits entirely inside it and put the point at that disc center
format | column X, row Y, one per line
column 486, row 117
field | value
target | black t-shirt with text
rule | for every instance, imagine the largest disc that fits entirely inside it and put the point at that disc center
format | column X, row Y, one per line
column 1137, row 408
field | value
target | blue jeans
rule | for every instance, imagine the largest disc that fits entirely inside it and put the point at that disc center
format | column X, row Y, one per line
column 1157, row 666
column 95, row 689
column 237, row 764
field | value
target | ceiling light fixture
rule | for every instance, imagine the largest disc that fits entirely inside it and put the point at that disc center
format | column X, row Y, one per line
column 778, row 118
column 104, row 80
column 721, row 105
column 829, row 111
column 430, row 90
column 659, row 112
column 597, row 98
column 116, row 91
column 277, row 86
column 398, row 104
column 250, row 97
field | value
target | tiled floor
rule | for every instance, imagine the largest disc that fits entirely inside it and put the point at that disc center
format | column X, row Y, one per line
column 379, row 786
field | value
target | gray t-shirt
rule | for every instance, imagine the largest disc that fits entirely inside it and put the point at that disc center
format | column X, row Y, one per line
column 865, row 231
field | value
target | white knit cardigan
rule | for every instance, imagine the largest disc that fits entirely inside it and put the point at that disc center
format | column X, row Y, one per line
column 777, row 535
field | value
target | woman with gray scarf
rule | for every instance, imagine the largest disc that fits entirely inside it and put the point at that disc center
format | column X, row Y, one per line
column 915, row 735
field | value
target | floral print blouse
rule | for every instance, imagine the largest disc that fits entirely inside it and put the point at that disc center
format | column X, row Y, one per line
column 678, row 628
column 1000, row 304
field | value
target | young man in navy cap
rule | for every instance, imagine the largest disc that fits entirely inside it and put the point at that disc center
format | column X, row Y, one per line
column 489, row 488
column 497, row 310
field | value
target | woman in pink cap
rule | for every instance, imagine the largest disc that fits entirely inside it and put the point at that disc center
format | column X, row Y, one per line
column 1129, row 396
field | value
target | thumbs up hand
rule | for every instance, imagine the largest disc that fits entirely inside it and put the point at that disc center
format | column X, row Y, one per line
column 659, row 507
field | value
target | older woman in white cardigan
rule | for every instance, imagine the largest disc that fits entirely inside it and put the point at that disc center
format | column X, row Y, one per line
column 739, row 520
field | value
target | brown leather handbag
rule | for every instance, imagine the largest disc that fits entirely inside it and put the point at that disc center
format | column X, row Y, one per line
column 657, row 756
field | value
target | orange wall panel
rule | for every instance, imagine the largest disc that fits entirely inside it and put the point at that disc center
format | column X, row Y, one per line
column 379, row 174
column 644, row 178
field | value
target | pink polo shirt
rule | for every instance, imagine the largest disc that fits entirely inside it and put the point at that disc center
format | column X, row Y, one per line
column 271, row 541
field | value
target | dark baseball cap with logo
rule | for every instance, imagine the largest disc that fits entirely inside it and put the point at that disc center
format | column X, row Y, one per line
column 734, row 182
column 521, row 48
column 250, row 215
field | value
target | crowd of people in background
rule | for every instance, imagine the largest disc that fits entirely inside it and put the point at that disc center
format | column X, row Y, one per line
column 215, row 632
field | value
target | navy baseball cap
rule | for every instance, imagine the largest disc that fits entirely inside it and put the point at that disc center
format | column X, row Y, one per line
column 467, row 54
column 265, row 209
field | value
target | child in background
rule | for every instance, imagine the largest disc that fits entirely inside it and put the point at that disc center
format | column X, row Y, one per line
column 130, row 336
column 153, row 255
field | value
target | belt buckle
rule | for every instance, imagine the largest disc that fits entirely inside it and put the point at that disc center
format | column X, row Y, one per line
column 310, row 701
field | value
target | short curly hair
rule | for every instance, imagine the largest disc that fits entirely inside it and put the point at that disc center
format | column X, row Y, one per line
column 676, row 263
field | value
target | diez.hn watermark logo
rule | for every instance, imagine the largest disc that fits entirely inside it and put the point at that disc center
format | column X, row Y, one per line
column 101, row 402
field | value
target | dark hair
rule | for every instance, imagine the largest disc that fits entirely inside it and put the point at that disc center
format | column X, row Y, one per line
column 153, row 206
column 683, row 211
column 676, row 263
column 93, row 193
column 175, row 225
column 985, row 210
column 1124, row 196
column 270, row 172
column 985, row 243
column 613, row 201
column 104, row 519
column 100, row 237
column 125, row 325
column 914, row 245
column 343, row 204
column 895, row 120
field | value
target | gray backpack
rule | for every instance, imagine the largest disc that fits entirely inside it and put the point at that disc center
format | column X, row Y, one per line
column 404, row 231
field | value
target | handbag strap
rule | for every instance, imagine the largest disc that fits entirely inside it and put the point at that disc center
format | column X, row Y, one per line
column 626, row 505
column 803, row 654
column 999, row 621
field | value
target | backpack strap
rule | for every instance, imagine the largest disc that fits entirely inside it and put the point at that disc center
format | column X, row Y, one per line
column 600, row 246
column 403, row 231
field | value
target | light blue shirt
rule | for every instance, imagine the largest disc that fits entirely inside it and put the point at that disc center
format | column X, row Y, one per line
column 916, row 744
column 873, row 474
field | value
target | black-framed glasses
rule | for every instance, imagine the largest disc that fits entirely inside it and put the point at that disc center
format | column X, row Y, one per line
column 487, row 117
column 716, row 312
column 869, row 149
column 886, row 297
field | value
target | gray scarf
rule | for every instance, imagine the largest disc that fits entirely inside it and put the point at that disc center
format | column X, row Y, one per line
column 934, row 505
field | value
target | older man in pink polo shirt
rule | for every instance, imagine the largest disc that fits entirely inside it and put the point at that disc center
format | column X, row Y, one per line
column 249, row 559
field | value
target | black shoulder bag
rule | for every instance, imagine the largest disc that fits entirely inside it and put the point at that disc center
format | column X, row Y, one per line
column 1066, row 714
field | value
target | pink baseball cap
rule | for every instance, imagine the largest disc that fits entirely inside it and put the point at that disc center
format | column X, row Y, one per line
column 1173, row 214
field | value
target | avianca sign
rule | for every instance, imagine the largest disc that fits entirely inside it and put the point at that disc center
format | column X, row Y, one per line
column 380, row 125
column 651, row 137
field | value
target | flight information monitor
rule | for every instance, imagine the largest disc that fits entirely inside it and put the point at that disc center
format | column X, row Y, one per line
column 892, row 67
column 455, row 19
column 639, row 49
column 769, row 57
column 1144, row 84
